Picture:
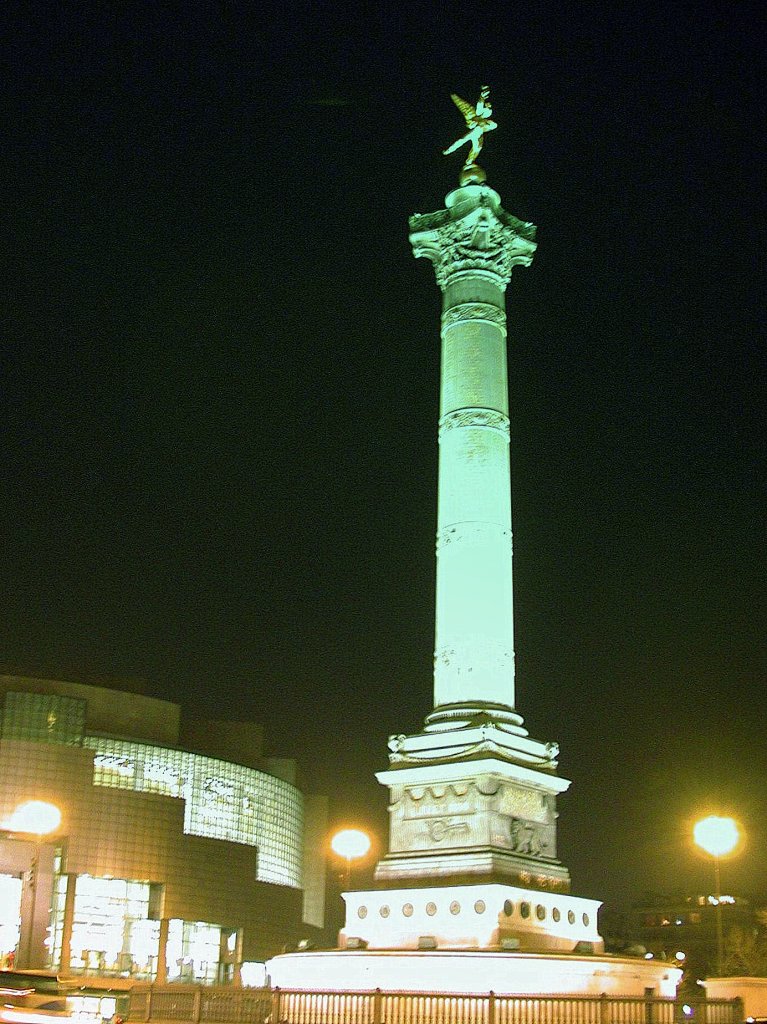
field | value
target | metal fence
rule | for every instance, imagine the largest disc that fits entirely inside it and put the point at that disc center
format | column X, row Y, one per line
column 200, row 1005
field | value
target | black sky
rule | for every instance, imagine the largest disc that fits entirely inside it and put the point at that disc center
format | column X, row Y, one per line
column 220, row 370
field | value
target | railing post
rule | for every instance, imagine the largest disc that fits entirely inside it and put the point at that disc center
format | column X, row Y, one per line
column 491, row 1007
column 276, row 1005
column 377, row 1007
column 604, row 1009
column 649, row 1006
column 196, row 1005
column 148, row 1004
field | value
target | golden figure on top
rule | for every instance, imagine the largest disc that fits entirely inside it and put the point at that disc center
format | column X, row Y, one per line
column 479, row 122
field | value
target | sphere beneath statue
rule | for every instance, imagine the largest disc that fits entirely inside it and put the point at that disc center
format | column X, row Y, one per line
column 472, row 174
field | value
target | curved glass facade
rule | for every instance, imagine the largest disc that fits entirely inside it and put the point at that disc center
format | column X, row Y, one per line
column 222, row 800
column 133, row 884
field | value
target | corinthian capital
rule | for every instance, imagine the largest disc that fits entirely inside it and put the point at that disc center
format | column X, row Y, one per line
column 475, row 234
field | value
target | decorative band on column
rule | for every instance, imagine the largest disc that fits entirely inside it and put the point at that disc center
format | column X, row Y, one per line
column 482, row 311
column 471, row 533
column 484, row 419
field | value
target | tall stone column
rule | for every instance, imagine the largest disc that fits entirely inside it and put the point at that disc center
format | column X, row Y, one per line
column 473, row 244
column 472, row 795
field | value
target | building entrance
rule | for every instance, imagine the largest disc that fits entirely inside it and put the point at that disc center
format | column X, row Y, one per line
column 10, row 918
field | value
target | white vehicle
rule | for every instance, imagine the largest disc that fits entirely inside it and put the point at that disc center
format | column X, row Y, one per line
column 40, row 997
column 31, row 997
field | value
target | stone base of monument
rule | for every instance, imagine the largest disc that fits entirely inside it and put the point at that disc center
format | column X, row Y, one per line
column 483, row 915
column 470, row 972
column 471, row 939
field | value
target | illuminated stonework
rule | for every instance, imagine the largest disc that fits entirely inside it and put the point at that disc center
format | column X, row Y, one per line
column 473, row 234
column 221, row 800
column 473, row 245
column 470, row 896
column 161, row 846
column 472, row 917
column 473, row 797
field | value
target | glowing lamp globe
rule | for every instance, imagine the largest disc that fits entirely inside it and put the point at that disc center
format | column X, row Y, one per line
column 35, row 816
column 350, row 843
column 717, row 836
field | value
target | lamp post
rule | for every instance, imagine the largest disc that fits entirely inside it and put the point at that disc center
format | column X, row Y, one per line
column 717, row 836
column 33, row 819
column 351, row 844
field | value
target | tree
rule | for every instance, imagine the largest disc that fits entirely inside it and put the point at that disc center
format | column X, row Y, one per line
column 745, row 952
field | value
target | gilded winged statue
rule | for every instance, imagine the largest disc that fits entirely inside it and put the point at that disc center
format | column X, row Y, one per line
column 478, row 121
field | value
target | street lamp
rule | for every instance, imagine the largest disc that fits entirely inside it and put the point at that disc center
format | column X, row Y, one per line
column 35, row 818
column 351, row 844
column 718, row 837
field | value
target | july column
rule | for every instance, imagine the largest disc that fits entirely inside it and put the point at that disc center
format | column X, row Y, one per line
column 473, row 245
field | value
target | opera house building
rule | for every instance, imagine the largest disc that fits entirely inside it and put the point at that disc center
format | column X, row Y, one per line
column 181, row 853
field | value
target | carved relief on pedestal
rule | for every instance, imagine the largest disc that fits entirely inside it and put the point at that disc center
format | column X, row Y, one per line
column 529, row 838
column 442, row 815
column 439, row 829
column 479, row 812
column 532, row 804
column 440, row 800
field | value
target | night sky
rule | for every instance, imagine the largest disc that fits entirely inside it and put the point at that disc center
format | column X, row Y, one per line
column 220, row 379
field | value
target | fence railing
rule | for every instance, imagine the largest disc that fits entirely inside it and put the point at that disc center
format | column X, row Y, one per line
column 202, row 1005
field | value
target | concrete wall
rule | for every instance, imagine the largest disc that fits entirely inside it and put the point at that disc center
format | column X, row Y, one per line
column 753, row 992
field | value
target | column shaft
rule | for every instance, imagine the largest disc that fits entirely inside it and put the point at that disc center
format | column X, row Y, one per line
column 473, row 245
column 474, row 627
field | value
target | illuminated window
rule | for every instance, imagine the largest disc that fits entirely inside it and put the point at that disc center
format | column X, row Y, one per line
column 112, row 932
column 222, row 800
column 10, row 913
column 193, row 951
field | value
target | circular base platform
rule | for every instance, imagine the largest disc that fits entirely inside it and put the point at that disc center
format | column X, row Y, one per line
column 470, row 972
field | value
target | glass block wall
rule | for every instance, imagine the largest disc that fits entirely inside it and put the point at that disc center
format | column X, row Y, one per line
column 43, row 718
column 223, row 800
